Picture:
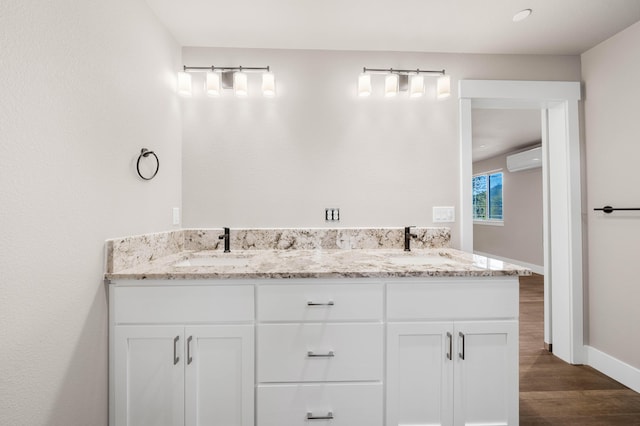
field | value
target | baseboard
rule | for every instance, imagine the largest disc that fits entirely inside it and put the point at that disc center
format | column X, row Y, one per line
column 535, row 268
column 614, row 368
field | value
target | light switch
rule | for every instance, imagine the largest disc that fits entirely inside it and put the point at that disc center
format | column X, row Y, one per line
column 176, row 215
column 444, row 214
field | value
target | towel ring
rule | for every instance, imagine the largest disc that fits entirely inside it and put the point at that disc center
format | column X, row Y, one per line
column 145, row 153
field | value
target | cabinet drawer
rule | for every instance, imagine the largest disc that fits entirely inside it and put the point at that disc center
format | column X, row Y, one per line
column 183, row 304
column 320, row 302
column 438, row 300
column 319, row 352
column 346, row 404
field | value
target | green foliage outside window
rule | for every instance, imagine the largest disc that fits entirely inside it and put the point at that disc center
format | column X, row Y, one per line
column 487, row 197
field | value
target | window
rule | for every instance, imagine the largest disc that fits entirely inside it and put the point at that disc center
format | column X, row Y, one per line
column 487, row 198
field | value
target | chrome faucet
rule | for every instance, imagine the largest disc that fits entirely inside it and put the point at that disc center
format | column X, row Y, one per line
column 227, row 240
column 407, row 237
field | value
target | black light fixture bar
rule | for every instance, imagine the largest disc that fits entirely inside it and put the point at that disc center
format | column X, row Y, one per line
column 214, row 68
column 406, row 72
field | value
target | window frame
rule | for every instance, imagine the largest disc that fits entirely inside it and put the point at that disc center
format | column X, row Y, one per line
column 489, row 222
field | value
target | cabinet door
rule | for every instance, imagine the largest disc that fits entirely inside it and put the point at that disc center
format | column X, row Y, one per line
column 419, row 374
column 149, row 376
column 486, row 373
column 219, row 375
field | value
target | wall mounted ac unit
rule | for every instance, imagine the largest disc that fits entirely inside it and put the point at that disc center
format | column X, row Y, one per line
column 525, row 160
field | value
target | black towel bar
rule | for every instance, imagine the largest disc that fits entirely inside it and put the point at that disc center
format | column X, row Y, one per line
column 609, row 209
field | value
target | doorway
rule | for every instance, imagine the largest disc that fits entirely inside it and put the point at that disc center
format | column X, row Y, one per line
column 562, row 218
column 508, row 215
column 506, row 152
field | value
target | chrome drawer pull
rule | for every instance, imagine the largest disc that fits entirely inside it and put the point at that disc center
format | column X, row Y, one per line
column 329, row 416
column 189, row 359
column 450, row 338
column 461, row 354
column 329, row 354
column 312, row 303
column 176, row 358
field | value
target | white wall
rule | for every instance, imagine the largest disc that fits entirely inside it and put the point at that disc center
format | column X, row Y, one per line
column 279, row 162
column 521, row 237
column 610, row 73
column 85, row 85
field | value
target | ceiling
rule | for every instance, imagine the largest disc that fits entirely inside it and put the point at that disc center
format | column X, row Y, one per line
column 557, row 27
column 499, row 131
column 565, row 27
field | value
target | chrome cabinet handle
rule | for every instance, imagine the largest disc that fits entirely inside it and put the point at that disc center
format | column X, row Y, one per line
column 189, row 359
column 312, row 303
column 450, row 337
column 176, row 358
column 461, row 354
column 328, row 416
column 329, row 354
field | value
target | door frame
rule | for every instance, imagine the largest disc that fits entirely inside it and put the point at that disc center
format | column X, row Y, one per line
column 558, row 102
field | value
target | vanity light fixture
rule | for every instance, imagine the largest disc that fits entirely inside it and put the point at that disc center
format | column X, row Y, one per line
column 213, row 84
column 268, row 84
column 404, row 80
column 184, row 84
column 364, row 85
column 416, row 88
column 240, row 84
column 443, row 87
column 220, row 78
column 391, row 85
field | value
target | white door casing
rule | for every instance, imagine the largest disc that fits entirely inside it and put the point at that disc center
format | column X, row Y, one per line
column 558, row 102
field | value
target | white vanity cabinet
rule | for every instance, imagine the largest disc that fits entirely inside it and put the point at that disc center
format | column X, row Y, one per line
column 181, row 355
column 320, row 353
column 452, row 352
column 339, row 352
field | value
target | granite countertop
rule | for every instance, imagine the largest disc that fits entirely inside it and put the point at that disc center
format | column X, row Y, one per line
column 357, row 263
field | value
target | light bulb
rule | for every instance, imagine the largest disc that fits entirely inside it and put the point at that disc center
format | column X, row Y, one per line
column 240, row 84
column 391, row 85
column 212, row 84
column 268, row 84
column 444, row 87
column 416, row 88
column 364, row 85
column 184, row 84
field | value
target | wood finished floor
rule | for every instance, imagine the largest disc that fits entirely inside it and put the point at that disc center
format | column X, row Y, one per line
column 553, row 392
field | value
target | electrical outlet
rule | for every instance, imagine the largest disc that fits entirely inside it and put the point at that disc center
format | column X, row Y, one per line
column 332, row 214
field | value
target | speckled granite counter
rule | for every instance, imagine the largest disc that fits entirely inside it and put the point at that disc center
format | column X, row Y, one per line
column 296, row 253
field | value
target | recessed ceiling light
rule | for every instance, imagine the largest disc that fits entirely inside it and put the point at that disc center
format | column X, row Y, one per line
column 522, row 15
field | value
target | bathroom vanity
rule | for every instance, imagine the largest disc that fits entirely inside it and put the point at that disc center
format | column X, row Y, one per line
column 310, row 335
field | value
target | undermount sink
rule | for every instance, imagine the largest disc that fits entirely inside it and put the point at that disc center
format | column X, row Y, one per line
column 213, row 261
column 420, row 260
